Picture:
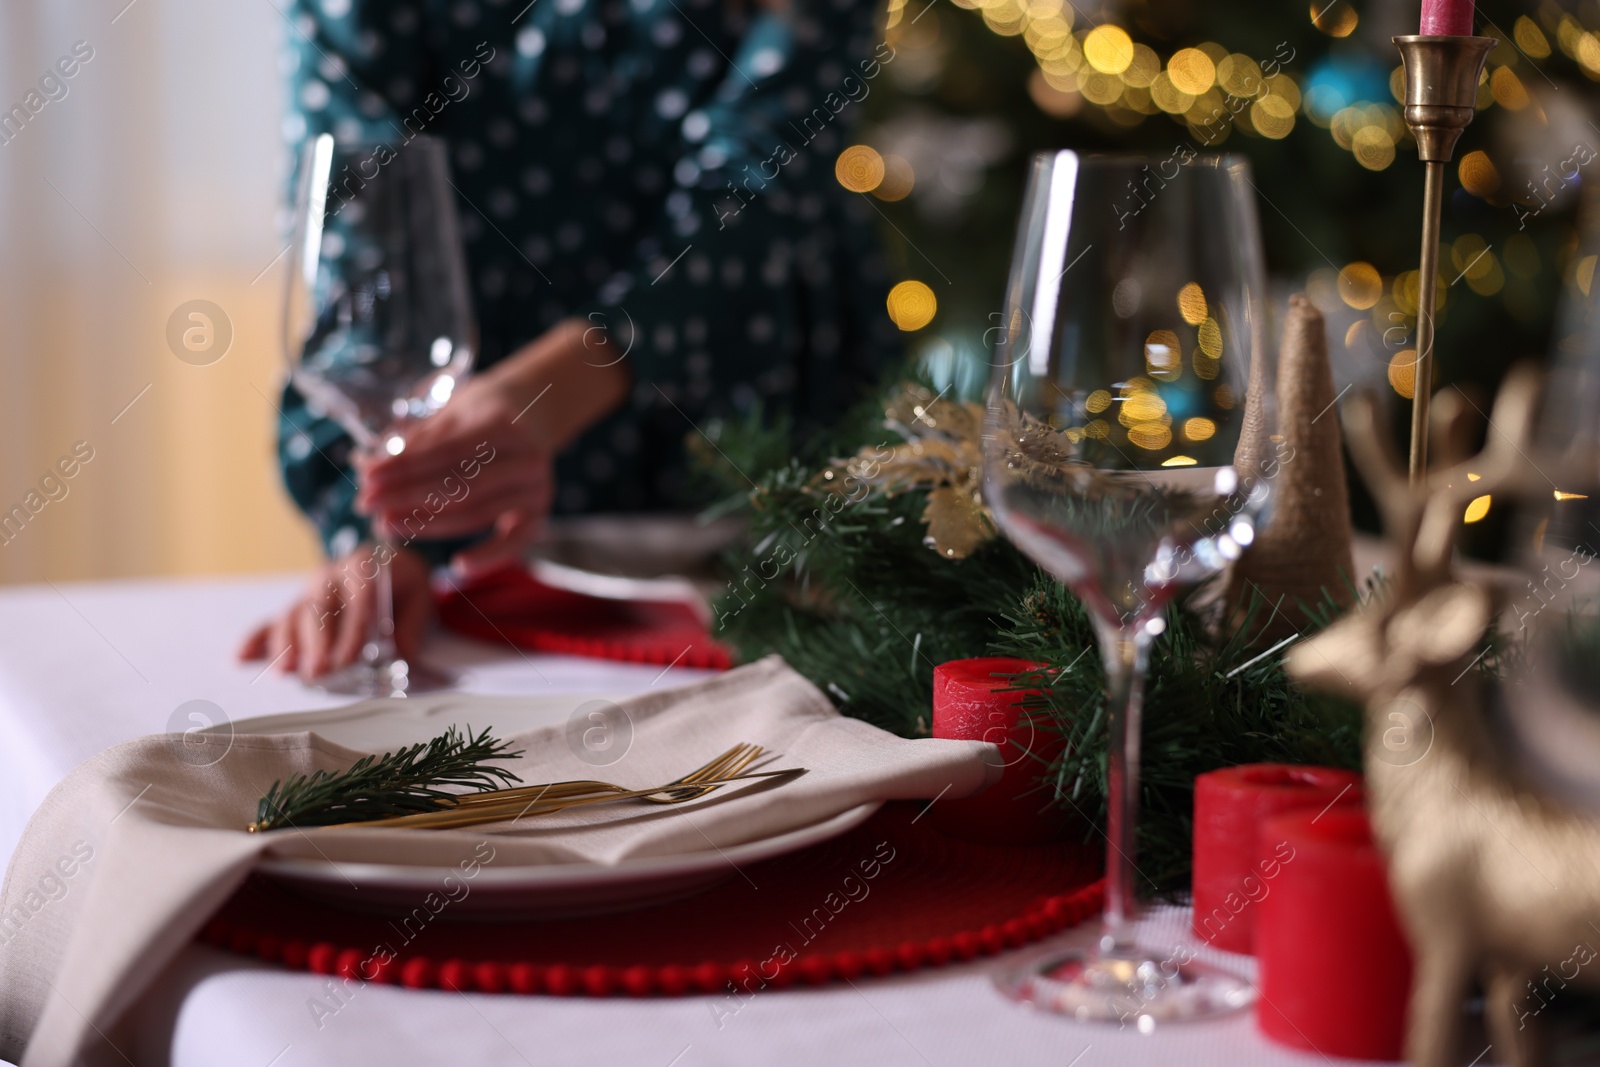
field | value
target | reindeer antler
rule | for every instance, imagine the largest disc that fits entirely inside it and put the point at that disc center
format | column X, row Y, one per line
column 1422, row 519
column 1504, row 463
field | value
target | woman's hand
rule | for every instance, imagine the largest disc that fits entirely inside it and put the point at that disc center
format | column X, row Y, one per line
column 327, row 627
column 485, row 459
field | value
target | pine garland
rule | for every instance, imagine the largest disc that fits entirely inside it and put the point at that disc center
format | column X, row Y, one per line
column 852, row 597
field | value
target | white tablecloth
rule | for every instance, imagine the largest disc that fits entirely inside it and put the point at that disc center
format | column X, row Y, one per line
column 85, row 666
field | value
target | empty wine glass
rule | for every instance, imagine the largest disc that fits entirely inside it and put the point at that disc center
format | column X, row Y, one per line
column 1128, row 450
column 378, row 327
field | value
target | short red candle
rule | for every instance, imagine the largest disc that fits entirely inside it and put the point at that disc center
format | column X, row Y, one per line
column 1229, row 808
column 1446, row 18
column 1335, row 969
column 968, row 705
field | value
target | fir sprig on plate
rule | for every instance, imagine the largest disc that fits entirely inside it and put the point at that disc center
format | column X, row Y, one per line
column 396, row 783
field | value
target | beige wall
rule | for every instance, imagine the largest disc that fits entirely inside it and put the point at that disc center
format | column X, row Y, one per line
column 184, row 481
column 154, row 181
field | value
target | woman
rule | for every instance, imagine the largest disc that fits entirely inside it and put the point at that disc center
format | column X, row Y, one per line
column 654, row 237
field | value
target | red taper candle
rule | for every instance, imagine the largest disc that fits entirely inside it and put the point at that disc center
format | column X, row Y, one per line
column 1229, row 807
column 1446, row 18
column 975, row 700
column 1335, row 968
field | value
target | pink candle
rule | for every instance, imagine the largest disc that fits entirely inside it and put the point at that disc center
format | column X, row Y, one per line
column 1446, row 18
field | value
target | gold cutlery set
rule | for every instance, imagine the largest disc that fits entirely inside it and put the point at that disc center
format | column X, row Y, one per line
column 502, row 805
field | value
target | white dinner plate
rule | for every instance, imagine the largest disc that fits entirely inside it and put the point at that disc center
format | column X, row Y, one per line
column 541, row 891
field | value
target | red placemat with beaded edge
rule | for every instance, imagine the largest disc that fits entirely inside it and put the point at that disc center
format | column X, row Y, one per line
column 511, row 606
column 894, row 894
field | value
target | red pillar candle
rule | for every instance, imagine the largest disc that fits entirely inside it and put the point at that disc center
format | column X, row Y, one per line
column 1229, row 808
column 1446, row 18
column 1335, row 969
column 975, row 700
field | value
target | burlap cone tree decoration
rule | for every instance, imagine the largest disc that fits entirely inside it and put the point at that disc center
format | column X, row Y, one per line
column 1301, row 555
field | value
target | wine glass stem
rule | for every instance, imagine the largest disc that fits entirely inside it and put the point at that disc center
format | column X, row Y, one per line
column 380, row 647
column 1126, row 651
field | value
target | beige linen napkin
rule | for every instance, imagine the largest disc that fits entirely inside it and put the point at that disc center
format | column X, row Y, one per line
column 130, row 855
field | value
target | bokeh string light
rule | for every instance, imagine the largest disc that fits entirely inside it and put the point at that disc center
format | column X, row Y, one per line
column 1100, row 69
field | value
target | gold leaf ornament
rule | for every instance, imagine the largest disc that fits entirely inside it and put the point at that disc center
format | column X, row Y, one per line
column 957, row 522
column 941, row 453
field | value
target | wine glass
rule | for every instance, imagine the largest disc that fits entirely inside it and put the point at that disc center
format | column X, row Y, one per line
column 378, row 328
column 1127, row 450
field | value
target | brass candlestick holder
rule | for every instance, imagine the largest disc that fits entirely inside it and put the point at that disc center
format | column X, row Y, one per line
column 1441, row 92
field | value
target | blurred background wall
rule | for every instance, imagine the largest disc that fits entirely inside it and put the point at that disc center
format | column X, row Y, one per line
column 153, row 181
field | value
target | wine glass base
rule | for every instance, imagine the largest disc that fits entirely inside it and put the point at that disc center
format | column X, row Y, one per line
column 391, row 678
column 1135, row 987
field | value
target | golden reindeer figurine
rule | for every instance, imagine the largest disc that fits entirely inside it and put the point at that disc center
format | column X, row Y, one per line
column 1491, row 879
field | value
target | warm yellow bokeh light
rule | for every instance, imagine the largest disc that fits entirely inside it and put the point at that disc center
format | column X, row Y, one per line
column 1403, row 372
column 1192, row 71
column 1530, row 38
column 1508, row 89
column 1098, row 401
column 1150, row 436
column 859, row 168
column 1143, row 68
column 1210, row 334
column 1239, row 75
column 1169, row 97
column 1478, row 175
column 912, row 305
column 1336, row 18
column 1199, row 429
column 1180, row 461
column 1272, row 116
column 1282, row 85
column 1587, row 54
column 1108, row 49
column 1477, row 509
column 1005, row 18
column 1142, row 405
column 1360, row 285
column 1192, row 304
column 1098, row 88
column 1567, row 33
column 1373, row 147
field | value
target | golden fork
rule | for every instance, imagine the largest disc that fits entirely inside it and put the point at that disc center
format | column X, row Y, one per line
column 730, row 762
column 482, row 813
column 724, row 769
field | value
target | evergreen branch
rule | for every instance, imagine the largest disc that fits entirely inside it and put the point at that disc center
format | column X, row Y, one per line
column 397, row 783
